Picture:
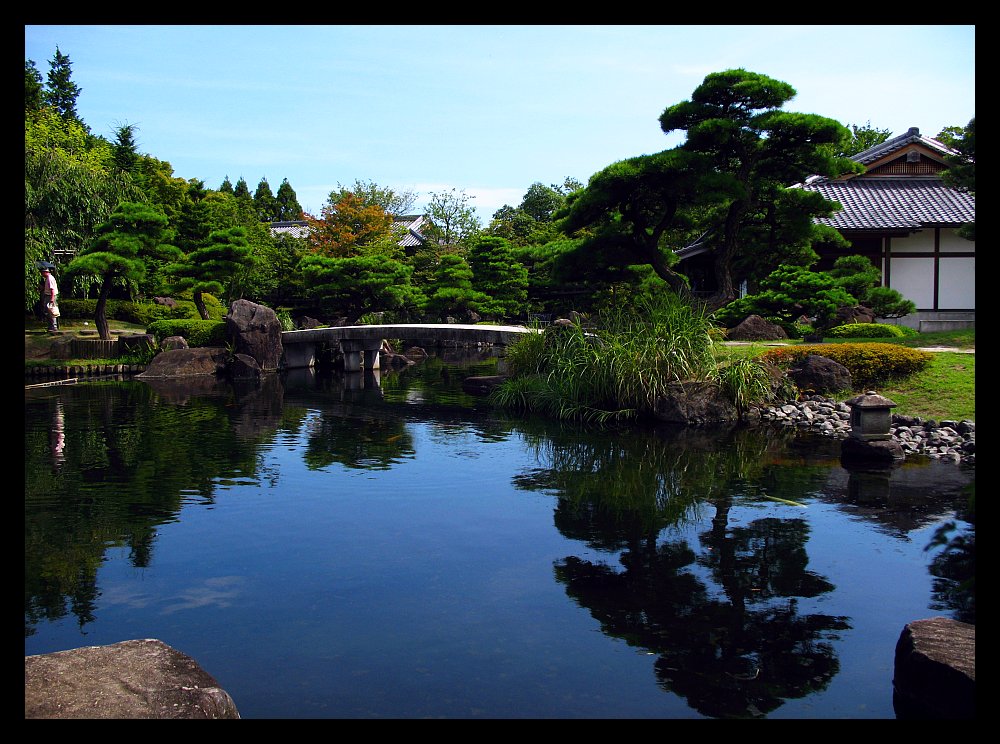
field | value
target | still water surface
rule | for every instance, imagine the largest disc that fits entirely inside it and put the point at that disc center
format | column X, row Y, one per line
column 327, row 548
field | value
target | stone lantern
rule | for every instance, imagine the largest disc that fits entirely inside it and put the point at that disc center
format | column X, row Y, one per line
column 870, row 442
column 871, row 417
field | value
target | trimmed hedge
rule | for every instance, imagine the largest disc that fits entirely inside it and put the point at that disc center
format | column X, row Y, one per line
column 870, row 364
column 869, row 330
column 196, row 332
column 141, row 313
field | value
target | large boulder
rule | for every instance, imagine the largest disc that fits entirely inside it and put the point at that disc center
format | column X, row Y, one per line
column 483, row 384
column 855, row 314
column 255, row 331
column 204, row 360
column 174, row 342
column 755, row 328
column 695, row 403
column 242, row 367
column 934, row 676
column 818, row 374
column 128, row 680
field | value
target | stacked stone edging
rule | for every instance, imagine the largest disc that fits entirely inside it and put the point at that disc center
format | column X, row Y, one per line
column 84, row 370
column 952, row 440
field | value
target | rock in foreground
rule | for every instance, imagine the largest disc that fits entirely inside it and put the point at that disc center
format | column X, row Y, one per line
column 131, row 679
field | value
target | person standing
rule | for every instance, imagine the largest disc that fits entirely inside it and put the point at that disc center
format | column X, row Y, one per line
column 50, row 292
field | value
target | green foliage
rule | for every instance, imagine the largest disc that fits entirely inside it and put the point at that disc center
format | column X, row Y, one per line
column 734, row 123
column 197, row 332
column 60, row 91
column 265, row 202
column 497, row 274
column 211, row 265
column 745, row 381
column 452, row 218
column 887, row 302
column 869, row 330
column 140, row 313
column 285, row 318
column 618, row 370
column 857, row 275
column 870, row 364
column 70, row 187
column 450, row 292
column 354, row 286
column 788, row 293
column 286, row 203
column 863, row 138
column 124, row 245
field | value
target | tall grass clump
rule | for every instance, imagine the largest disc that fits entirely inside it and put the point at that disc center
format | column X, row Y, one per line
column 615, row 369
column 745, row 381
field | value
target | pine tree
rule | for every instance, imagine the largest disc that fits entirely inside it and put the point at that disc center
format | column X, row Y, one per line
column 125, row 152
column 226, row 187
column 288, row 207
column 121, row 251
column 265, row 202
column 33, row 90
column 242, row 191
column 61, row 92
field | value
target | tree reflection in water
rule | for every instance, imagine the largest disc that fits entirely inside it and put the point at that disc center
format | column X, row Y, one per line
column 723, row 616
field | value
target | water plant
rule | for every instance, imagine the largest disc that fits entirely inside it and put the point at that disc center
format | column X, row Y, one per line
column 613, row 369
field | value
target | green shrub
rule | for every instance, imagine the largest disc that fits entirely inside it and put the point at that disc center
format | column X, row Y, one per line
column 287, row 324
column 140, row 313
column 870, row 364
column 866, row 330
column 196, row 332
column 745, row 381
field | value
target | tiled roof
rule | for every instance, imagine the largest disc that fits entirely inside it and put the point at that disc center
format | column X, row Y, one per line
column 294, row 228
column 894, row 203
column 409, row 225
column 911, row 136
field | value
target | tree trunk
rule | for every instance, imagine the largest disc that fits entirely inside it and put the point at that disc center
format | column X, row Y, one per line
column 199, row 302
column 100, row 316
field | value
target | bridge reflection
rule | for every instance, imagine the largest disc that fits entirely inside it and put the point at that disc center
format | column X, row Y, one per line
column 360, row 345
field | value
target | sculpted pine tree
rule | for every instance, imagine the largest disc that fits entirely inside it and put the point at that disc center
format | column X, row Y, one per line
column 730, row 187
column 125, row 244
column 208, row 267
column 734, row 121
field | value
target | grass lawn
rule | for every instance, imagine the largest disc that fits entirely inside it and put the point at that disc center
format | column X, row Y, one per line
column 945, row 390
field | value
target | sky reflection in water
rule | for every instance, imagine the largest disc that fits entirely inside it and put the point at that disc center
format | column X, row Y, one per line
column 401, row 550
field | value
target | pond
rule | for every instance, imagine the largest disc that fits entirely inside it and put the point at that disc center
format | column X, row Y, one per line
column 390, row 547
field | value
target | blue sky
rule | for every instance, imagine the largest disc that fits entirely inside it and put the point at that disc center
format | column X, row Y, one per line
column 488, row 110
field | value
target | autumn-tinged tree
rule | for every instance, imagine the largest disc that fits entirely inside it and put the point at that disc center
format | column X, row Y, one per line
column 134, row 234
column 349, row 227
